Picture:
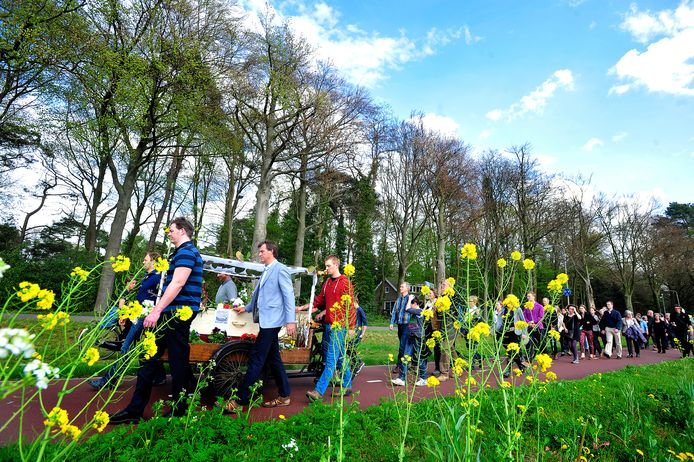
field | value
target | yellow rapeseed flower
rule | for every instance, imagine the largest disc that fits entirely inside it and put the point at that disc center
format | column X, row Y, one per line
column 27, row 291
column 513, row 347
column 640, row 452
column 391, row 358
column 91, row 356
column 184, row 313
column 473, row 402
column 470, row 381
column 544, row 361
column 50, row 320
column 78, row 272
column 520, row 325
column 554, row 286
column 349, row 270
column 460, row 362
column 427, row 314
column 46, row 298
column 551, row 375
column 425, row 290
column 563, row 278
column 433, row 382
column 457, row 325
column 150, row 345
column 528, row 264
column 437, row 334
column 505, row 384
column 120, row 263
column 501, row 263
column 511, row 301
column 282, row 417
column 431, row 343
column 346, row 300
column 549, row 309
column 101, row 419
column 449, row 291
column 515, row 255
column 517, row 372
column 336, row 325
column 442, row 304
column 162, row 265
column 529, row 305
column 406, row 359
column 131, row 311
column 450, row 282
column 56, row 418
column 71, row 430
column 480, row 329
column 468, row 252
column 554, row 334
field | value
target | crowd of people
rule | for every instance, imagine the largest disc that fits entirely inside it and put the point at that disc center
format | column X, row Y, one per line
column 574, row 331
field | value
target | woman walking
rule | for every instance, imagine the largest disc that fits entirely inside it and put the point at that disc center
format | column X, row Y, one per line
column 588, row 321
column 572, row 321
column 659, row 330
column 632, row 331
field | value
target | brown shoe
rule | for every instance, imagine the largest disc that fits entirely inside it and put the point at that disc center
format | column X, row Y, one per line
column 443, row 377
column 313, row 395
column 280, row 401
column 232, row 406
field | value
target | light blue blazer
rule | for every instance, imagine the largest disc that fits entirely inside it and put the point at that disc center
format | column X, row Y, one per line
column 272, row 302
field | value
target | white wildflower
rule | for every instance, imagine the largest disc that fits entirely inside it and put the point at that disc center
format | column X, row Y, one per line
column 42, row 372
column 16, row 342
column 3, row 267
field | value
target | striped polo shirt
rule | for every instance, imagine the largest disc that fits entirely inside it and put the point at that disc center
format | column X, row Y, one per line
column 186, row 256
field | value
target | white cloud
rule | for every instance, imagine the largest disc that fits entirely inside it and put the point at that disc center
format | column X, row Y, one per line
column 617, row 137
column 440, row 123
column 484, row 134
column 592, row 144
column 545, row 161
column 665, row 64
column 535, row 101
column 363, row 57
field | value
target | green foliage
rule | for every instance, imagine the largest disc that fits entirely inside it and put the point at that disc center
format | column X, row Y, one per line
column 364, row 258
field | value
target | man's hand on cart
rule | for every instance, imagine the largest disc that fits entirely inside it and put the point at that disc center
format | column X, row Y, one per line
column 239, row 309
column 291, row 328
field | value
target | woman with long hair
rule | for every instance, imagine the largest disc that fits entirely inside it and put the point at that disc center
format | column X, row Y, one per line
column 572, row 322
column 587, row 322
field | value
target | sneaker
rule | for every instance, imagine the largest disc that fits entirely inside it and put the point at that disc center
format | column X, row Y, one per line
column 619, row 356
column 638, row 355
column 97, row 384
column 313, row 395
column 159, row 382
column 360, row 367
column 420, row 383
column 399, row 382
column 583, row 356
column 575, row 361
column 630, row 355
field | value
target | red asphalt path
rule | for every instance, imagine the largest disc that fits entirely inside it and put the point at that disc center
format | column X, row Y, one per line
column 370, row 386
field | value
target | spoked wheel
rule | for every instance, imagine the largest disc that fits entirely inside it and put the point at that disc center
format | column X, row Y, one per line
column 231, row 364
column 108, row 339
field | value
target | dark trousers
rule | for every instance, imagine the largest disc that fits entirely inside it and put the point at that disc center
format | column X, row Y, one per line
column 633, row 346
column 510, row 337
column 684, row 343
column 266, row 350
column 174, row 337
column 403, row 335
column 660, row 342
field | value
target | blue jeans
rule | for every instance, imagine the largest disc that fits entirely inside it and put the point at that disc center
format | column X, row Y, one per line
column 413, row 348
column 133, row 336
column 336, row 357
column 403, row 334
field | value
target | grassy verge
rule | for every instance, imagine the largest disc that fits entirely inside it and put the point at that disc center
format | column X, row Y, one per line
column 617, row 416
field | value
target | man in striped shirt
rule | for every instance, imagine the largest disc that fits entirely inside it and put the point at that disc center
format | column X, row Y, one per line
column 182, row 288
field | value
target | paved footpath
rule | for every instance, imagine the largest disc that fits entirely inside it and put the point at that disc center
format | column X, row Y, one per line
column 370, row 387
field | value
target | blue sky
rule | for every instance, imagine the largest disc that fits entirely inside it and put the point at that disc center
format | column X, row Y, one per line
column 601, row 88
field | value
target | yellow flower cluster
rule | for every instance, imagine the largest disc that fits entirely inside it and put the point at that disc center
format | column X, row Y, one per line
column 505, row 384
column 457, row 325
column 427, row 314
column 478, row 331
column 555, row 285
column 72, row 431
column 554, row 334
column 528, row 264
column 78, row 272
column 56, row 418
column 437, row 335
column 120, row 263
column 563, row 278
column 529, row 305
column 349, row 270
column 346, row 300
column 391, row 358
column 184, row 313
column 501, row 263
column 515, row 255
column 470, row 381
column 162, row 265
column 150, row 345
column 425, row 290
column 551, row 375
column 513, row 347
column 511, row 301
column 544, row 361
column 336, row 325
column 406, row 359
column 433, row 382
column 549, row 309
column 442, row 304
column 101, row 419
column 449, row 292
column 468, row 252
column 46, row 298
column 431, row 343
column 450, row 282
column 27, row 291
column 130, row 311
column 50, row 320
column 521, row 325
column 91, row 356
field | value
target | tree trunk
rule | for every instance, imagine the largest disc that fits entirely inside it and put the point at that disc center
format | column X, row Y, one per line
column 441, row 246
column 262, row 208
column 301, row 222
column 114, row 240
column 92, row 226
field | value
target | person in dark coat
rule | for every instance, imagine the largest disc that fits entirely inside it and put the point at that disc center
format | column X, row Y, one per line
column 572, row 322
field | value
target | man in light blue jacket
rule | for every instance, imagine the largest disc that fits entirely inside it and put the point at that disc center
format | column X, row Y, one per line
column 272, row 305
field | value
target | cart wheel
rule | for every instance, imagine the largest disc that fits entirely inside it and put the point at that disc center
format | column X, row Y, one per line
column 231, row 363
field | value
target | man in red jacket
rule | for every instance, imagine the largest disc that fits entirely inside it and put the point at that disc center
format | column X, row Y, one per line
column 336, row 299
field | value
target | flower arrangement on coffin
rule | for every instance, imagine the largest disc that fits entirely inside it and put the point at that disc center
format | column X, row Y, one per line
column 217, row 336
column 249, row 337
column 287, row 343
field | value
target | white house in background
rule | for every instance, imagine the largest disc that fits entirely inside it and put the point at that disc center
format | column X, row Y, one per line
column 388, row 291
